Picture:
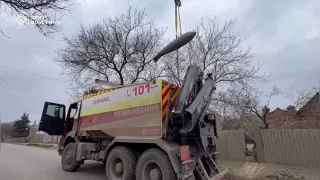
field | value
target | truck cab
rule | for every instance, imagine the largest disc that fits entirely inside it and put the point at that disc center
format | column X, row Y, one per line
column 56, row 122
column 53, row 119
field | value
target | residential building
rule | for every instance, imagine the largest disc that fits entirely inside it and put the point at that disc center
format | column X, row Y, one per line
column 307, row 117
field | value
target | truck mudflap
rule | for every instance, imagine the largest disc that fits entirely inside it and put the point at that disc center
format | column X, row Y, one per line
column 207, row 169
column 218, row 176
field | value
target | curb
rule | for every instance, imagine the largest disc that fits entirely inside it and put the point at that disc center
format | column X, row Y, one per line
column 47, row 146
column 40, row 145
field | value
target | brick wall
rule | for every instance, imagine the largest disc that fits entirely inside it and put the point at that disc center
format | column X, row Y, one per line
column 280, row 118
column 309, row 121
column 307, row 117
column 291, row 119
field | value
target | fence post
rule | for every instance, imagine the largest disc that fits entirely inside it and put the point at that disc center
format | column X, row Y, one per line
column 259, row 146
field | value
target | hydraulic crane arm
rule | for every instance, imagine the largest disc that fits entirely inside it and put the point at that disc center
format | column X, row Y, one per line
column 194, row 96
column 193, row 100
column 196, row 112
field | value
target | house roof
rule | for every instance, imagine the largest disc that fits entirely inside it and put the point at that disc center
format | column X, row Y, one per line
column 316, row 96
column 284, row 110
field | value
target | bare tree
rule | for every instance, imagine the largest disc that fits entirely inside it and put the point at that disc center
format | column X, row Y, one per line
column 288, row 124
column 302, row 97
column 219, row 50
column 247, row 121
column 231, row 123
column 216, row 49
column 118, row 50
column 246, row 101
column 41, row 13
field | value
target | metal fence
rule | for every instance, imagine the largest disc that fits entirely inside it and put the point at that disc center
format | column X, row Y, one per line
column 15, row 140
column 231, row 145
column 297, row 147
column 37, row 138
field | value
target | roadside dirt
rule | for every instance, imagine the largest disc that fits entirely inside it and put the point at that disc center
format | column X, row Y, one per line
column 40, row 145
column 278, row 175
column 265, row 171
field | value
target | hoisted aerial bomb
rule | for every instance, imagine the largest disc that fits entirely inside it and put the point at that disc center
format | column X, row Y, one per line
column 175, row 44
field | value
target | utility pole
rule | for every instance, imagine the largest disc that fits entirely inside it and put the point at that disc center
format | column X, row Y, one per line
column 0, row 132
column 318, row 109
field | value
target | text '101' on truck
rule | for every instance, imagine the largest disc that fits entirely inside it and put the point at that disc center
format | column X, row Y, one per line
column 148, row 131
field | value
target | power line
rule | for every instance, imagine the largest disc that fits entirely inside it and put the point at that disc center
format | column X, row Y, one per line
column 34, row 74
column 2, row 79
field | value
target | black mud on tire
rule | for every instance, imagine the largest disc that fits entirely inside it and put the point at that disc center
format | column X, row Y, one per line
column 68, row 161
column 149, row 160
column 121, row 164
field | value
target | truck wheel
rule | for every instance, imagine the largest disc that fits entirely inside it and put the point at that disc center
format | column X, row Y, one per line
column 154, row 164
column 121, row 164
column 68, row 161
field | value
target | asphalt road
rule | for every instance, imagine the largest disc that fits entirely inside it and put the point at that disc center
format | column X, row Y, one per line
column 32, row 163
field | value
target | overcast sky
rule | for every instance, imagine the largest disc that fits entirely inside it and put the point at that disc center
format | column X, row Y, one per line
column 284, row 36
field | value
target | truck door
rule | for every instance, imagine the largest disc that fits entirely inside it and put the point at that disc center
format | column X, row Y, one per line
column 72, row 115
column 53, row 118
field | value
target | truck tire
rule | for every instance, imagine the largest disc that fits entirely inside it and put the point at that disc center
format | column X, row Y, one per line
column 154, row 164
column 68, row 161
column 121, row 164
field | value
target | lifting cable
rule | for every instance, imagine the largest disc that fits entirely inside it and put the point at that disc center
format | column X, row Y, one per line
column 177, row 16
column 177, row 22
